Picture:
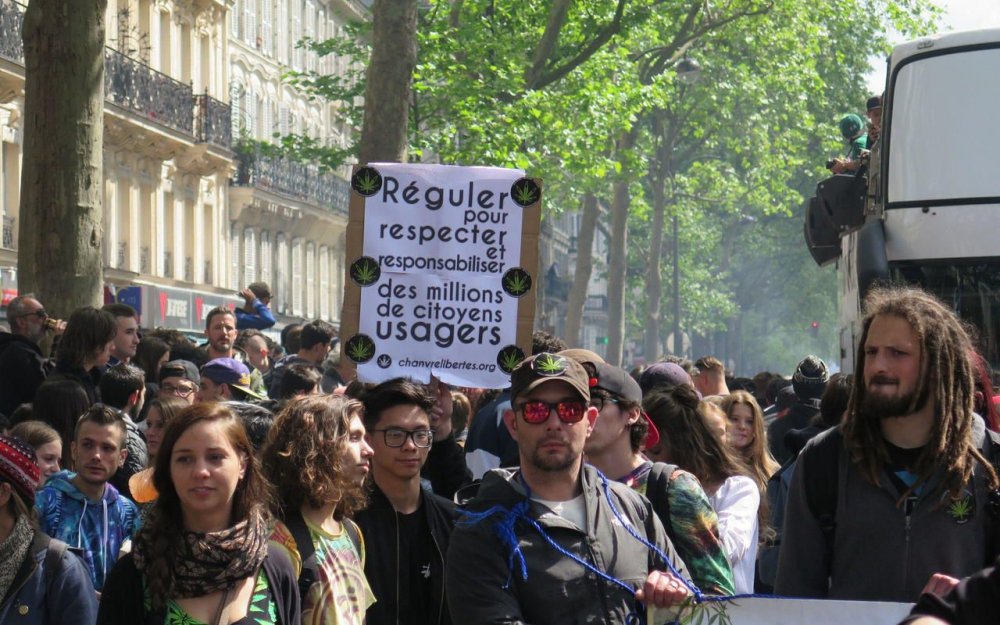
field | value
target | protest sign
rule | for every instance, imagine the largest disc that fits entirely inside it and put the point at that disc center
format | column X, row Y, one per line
column 441, row 269
column 782, row 611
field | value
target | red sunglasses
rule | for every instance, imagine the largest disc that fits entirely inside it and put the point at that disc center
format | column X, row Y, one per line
column 568, row 411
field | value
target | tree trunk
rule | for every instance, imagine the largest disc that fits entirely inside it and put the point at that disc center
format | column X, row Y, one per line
column 577, row 299
column 62, row 176
column 389, row 79
column 616, row 266
column 654, row 280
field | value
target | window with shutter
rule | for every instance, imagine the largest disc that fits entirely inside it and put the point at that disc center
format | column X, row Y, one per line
column 297, row 286
column 234, row 255
column 310, row 281
column 249, row 256
column 281, row 280
column 265, row 258
column 236, row 20
column 324, row 282
column 250, row 24
column 266, row 18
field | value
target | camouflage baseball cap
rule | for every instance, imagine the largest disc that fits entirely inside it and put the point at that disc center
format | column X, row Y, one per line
column 545, row 367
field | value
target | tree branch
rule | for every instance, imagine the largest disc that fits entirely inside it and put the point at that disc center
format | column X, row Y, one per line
column 609, row 31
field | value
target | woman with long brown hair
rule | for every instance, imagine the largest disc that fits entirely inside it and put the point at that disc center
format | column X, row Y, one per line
column 203, row 555
column 687, row 441
column 161, row 411
column 746, row 436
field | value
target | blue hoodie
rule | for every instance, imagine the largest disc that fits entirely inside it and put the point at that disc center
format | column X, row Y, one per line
column 97, row 528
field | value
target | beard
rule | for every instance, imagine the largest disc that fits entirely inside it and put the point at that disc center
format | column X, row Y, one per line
column 879, row 406
column 550, row 461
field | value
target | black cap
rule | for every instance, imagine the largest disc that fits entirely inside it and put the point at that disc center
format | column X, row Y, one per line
column 183, row 369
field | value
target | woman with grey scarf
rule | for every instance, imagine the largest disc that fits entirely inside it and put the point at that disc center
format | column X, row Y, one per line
column 41, row 583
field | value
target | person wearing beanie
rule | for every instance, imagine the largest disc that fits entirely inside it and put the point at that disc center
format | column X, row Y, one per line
column 853, row 129
column 41, row 583
column 808, row 383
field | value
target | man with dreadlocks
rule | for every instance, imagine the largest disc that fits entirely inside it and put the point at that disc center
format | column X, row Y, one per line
column 556, row 541
column 905, row 487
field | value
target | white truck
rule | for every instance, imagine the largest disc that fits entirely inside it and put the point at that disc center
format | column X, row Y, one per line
column 927, row 210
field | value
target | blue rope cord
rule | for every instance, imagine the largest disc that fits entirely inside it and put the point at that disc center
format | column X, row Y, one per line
column 505, row 530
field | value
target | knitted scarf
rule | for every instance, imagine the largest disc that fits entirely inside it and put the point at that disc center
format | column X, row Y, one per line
column 12, row 552
column 204, row 563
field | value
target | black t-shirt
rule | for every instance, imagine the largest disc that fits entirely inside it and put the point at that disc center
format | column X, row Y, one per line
column 415, row 548
column 900, row 466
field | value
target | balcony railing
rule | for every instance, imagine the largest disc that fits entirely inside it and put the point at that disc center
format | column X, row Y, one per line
column 291, row 178
column 213, row 121
column 143, row 90
column 11, row 22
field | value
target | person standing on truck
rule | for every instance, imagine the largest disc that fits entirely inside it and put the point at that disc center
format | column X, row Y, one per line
column 905, row 487
column 852, row 128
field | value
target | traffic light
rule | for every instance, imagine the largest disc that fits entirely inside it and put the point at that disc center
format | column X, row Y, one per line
column 814, row 328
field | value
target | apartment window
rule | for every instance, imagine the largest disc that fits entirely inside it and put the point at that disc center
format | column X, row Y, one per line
column 249, row 256
column 297, row 263
column 310, row 281
column 266, row 19
column 265, row 257
column 282, row 274
column 324, row 282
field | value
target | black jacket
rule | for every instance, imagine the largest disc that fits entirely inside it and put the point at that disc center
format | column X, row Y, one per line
column 798, row 417
column 123, row 595
column 89, row 381
column 445, row 468
column 22, row 371
column 380, row 527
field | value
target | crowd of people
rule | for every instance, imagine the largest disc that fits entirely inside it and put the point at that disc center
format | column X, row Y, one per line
column 148, row 479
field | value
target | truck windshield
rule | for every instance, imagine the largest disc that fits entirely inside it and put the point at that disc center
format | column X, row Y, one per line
column 943, row 129
column 971, row 288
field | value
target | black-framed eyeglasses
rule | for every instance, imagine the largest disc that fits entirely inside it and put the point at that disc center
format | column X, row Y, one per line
column 40, row 313
column 599, row 402
column 537, row 411
column 396, row 437
column 179, row 391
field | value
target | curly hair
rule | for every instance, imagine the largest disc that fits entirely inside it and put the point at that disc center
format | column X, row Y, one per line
column 756, row 455
column 163, row 529
column 305, row 455
column 692, row 445
column 947, row 376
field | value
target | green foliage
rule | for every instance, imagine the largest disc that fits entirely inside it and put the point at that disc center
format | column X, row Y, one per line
column 737, row 152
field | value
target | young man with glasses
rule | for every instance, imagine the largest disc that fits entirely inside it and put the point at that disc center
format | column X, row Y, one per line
column 23, row 368
column 406, row 527
column 179, row 378
column 542, row 544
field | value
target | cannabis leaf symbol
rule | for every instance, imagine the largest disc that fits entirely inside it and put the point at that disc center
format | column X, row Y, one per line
column 508, row 357
column 525, row 192
column 549, row 364
column 516, row 281
column 365, row 271
column 360, row 348
column 384, row 361
column 367, row 181
column 961, row 509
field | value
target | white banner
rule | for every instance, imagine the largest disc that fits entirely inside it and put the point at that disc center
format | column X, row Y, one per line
column 439, row 273
column 784, row 611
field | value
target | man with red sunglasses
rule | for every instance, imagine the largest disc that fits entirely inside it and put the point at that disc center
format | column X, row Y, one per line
column 573, row 546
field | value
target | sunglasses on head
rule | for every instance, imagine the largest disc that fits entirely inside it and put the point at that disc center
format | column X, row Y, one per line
column 569, row 411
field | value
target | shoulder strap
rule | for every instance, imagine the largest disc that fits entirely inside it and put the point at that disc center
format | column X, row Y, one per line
column 822, row 467
column 54, row 551
column 307, row 551
column 657, row 489
column 355, row 535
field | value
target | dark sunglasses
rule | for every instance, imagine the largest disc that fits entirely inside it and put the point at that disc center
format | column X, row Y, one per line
column 567, row 411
